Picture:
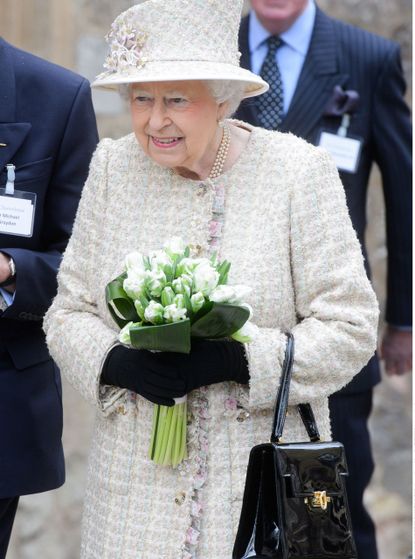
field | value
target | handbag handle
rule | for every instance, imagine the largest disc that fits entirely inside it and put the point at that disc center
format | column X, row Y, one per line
column 281, row 404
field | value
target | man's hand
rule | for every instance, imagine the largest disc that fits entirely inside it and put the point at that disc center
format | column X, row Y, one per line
column 396, row 351
column 5, row 272
column 4, row 267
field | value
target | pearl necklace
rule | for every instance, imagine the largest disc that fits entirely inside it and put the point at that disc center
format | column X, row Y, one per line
column 222, row 153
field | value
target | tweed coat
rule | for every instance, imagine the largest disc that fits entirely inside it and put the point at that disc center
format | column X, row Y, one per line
column 287, row 233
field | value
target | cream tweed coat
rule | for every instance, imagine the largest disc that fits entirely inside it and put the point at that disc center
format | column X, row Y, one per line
column 287, row 233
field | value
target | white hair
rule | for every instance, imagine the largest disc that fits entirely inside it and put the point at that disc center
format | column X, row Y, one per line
column 229, row 92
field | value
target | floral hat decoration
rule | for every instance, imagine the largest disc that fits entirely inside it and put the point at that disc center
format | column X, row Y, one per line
column 175, row 40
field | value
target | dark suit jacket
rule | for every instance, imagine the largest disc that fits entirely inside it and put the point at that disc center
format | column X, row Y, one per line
column 343, row 55
column 48, row 124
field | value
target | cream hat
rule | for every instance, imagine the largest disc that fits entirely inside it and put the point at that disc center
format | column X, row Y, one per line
column 174, row 40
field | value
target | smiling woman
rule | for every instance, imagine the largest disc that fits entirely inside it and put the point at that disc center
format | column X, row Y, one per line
column 176, row 124
column 265, row 201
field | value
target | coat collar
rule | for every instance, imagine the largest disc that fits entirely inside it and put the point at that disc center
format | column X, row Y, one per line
column 12, row 133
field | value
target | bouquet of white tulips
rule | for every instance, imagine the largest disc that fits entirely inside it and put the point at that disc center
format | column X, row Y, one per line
column 163, row 300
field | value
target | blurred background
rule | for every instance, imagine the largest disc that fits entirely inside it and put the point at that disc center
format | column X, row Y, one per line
column 71, row 33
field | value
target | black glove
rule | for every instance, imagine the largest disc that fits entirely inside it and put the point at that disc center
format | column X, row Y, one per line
column 209, row 362
column 162, row 376
column 145, row 373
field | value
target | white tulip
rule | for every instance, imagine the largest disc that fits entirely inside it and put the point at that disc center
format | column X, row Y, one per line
column 173, row 314
column 175, row 246
column 179, row 301
column 232, row 294
column 124, row 335
column 205, row 278
column 154, row 313
column 159, row 259
column 241, row 291
column 155, row 281
column 134, row 262
column 181, row 285
column 222, row 294
column 197, row 300
column 134, row 285
column 186, row 266
column 245, row 334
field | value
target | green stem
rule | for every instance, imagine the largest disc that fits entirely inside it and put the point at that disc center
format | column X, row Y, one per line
column 170, row 440
column 155, row 426
column 160, row 433
column 165, row 438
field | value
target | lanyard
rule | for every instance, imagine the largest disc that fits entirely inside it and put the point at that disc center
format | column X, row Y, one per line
column 11, row 177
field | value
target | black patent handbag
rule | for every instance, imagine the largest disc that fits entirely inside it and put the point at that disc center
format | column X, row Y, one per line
column 295, row 503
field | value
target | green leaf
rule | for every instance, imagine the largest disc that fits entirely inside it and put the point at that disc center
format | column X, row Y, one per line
column 119, row 304
column 223, row 272
column 221, row 321
column 144, row 301
column 167, row 296
column 201, row 312
column 140, row 309
column 188, row 304
column 186, row 253
column 168, row 271
column 163, row 337
column 147, row 263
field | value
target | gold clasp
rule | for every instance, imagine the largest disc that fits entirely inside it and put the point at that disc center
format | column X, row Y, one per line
column 318, row 500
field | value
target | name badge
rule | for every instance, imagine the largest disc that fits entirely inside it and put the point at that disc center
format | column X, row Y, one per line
column 17, row 208
column 344, row 150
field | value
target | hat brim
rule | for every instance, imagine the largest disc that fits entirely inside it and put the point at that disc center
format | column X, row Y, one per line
column 184, row 70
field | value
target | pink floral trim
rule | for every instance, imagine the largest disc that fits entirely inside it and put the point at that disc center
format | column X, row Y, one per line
column 198, row 430
column 198, row 441
column 231, row 404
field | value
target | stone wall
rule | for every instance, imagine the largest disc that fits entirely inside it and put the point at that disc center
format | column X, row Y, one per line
column 70, row 32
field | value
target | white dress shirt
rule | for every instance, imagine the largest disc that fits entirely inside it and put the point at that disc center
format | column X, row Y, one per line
column 8, row 297
column 290, row 55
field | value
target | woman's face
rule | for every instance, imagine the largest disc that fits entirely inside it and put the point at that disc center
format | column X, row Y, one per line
column 176, row 123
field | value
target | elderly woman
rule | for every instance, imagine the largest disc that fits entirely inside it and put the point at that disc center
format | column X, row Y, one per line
column 269, row 203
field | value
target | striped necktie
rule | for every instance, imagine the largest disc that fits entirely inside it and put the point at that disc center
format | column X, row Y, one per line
column 270, row 105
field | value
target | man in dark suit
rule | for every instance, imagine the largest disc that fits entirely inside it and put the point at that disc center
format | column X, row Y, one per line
column 47, row 137
column 342, row 87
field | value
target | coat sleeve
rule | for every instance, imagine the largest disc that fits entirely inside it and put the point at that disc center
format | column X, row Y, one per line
column 77, row 337
column 392, row 140
column 37, row 270
column 336, row 308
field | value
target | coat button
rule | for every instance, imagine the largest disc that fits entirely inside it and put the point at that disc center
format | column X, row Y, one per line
column 121, row 410
column 203, row 188
column 243, row 415
column 180, row 498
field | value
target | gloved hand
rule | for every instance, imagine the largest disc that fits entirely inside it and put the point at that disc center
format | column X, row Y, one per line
column 145, row 373
column 209, row 362
column 162, row 376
